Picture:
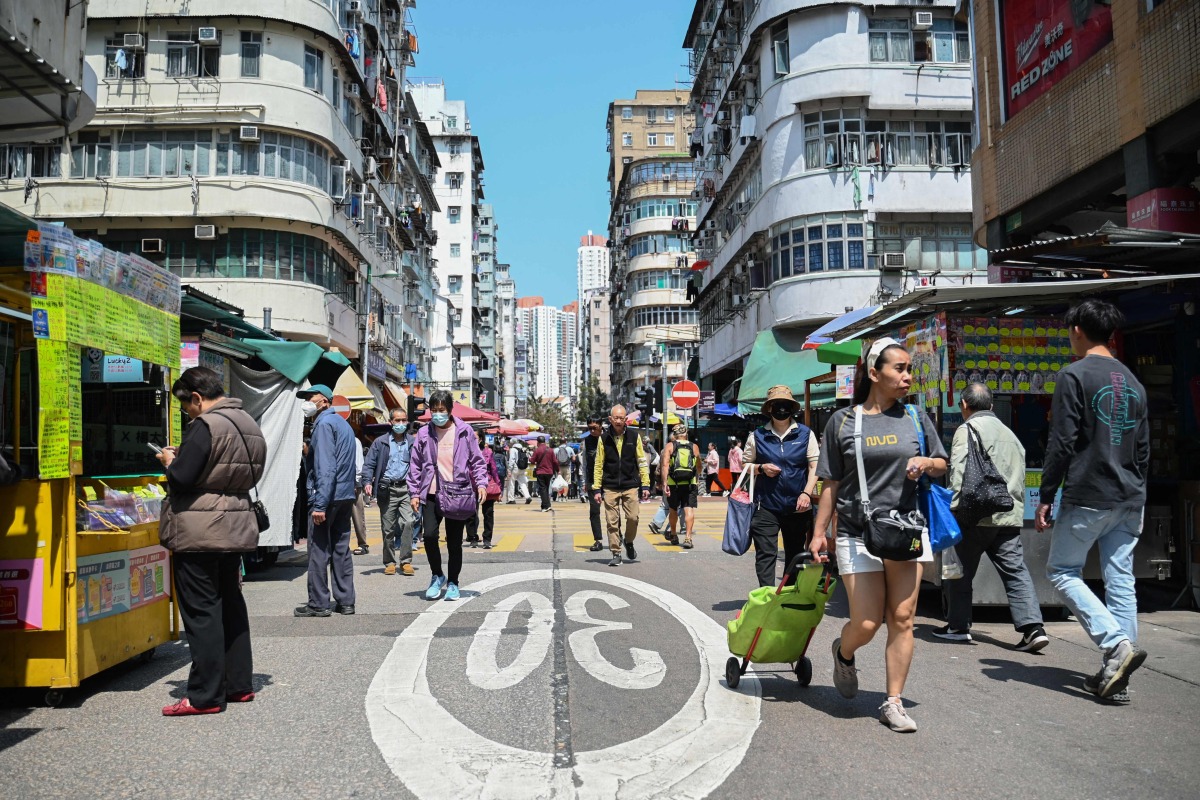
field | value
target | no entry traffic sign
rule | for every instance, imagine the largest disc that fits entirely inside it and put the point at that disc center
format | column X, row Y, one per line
column 685, row 394
column 341, row 406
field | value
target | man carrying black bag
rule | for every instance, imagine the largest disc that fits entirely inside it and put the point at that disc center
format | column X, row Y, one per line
column 984, row 448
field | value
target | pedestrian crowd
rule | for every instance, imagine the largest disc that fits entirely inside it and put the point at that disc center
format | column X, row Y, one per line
column 443, row 480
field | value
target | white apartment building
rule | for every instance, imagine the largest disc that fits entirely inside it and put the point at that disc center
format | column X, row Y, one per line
column 256, row 149
column 833, row 146
column 592, row 280
column 549, row 336
column 506, row 338
column 490, row 365
column 459, row 191
column 592, row 264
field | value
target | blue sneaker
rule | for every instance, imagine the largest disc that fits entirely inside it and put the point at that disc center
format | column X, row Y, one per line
column 435, row 587
column 451, row 591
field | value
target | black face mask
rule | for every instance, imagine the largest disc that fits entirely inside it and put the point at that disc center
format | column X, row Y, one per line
column 781, row 413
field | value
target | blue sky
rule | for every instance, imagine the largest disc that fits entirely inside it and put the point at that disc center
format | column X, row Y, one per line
column 537, row 76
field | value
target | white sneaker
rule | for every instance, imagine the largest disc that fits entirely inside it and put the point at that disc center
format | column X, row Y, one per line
column 896, row 717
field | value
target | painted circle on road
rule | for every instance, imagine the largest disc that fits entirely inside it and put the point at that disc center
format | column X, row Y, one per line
column 437, row 756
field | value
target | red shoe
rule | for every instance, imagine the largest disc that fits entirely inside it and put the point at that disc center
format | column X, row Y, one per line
column 239, row 697
column 184, row 708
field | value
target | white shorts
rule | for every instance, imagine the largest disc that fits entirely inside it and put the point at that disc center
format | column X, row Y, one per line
column 853, row 558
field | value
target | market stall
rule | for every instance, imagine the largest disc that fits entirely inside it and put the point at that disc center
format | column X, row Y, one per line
column 1011, row 338
column 89, row 347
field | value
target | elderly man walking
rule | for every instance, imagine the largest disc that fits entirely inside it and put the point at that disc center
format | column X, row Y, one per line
column 998, row 535
column 331, row 471
column 386, row 476
column 620, row 472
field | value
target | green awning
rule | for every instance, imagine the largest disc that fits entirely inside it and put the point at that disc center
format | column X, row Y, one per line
column 294, row 360
column 842, row 353
column 198, row 311
column 778, row 356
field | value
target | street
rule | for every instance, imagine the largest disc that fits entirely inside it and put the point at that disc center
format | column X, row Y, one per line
column 557, row 676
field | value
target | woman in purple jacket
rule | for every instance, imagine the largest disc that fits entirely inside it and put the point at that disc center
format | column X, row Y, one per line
column 446, row 474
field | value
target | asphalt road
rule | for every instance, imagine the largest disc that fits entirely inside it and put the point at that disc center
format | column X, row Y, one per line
column 557, row 676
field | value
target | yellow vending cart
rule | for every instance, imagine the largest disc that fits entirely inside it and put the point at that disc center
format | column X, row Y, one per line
column 89, row 346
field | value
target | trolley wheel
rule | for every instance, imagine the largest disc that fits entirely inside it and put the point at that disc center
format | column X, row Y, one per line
column 733, row 672
column 147, row 656
column 804, row 671
column 54, row 697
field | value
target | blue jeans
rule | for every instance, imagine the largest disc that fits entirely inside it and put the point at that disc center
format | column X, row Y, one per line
column 1115, row 532
column 660, row 518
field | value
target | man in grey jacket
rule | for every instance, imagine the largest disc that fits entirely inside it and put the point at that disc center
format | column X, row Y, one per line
column 998, row 535
column 331, row 472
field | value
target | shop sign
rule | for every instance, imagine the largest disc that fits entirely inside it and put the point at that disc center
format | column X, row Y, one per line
column 844, row 382
column 189, row 353
column 101, row 368
column 21, row 585
column 218, row 364
column 103, row 585
column 1042, row 41
column 1170, row 209
column 999, row 274
column 149, row 576
column 375, row 366
column 708, row 401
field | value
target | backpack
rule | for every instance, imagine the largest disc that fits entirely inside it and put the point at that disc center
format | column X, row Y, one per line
column 522, row 459
column 683, row 463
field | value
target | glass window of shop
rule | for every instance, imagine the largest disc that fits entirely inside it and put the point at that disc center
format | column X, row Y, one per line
column 125, row 409
column 652, row 207
column 656, row 243
column 245, row 253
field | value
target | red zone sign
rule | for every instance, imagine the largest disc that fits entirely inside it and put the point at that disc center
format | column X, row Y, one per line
column 1042, row 41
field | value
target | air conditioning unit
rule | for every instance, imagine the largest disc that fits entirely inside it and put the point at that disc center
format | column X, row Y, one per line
column 628, row 304
column 388, row 154
column 152, row 245
column 695, row 194
column 706, row 28
column 667, row 177
column 384, row 221
column 406, row 121
column 748, row 71
column 372, row 165
column 460, row 365
column 923, row 19
column 368, row 199
column 354, row 8
column 892, row 261
column 351, row 90
column 134, row 41
column 206, row 231
column 676, row 272
column 723, row 119
column 248, row 133
column 739, row 299
column 714, row 137
column 207, row 35
column 711, row 225
column 422, row 313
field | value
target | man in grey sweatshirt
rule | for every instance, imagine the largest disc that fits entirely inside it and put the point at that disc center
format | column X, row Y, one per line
column 1099, row 452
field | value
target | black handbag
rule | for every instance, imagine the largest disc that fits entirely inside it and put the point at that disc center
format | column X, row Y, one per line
column 261, row 518
column 891, row 534
column 984, row 490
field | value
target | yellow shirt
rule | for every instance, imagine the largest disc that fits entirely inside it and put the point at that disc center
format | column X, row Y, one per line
column 643, row 465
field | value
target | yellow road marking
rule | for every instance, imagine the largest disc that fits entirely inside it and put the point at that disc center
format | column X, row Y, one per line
column 508, row 543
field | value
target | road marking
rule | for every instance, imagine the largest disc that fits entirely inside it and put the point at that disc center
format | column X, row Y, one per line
column 648, row 667
column 482, row 667
column 583, row 541
column 436, row 756
column 508, row 543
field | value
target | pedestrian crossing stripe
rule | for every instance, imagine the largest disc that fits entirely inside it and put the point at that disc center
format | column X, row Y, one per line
column 508, row 543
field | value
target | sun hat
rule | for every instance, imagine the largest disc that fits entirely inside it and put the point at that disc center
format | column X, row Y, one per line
column 780, row 392
column 877, row 348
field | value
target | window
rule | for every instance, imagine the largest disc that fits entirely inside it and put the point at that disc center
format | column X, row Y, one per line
column 781, row 49
column 669, row 139
column 91, row 156
column 455, row 250
column 597, row 306
column 892, row 39
column 115, row 54
column 314, row 69
column 654, row 171
column 627, row 112
column 657, row 243
column 454, row 213
column 454, row 180
column 664, row 315
column 251, row 54
column 452, row 122
column 816, row 244
column 298, row 159
column 673, row 207
column 455, row 284
column 235, row 157
column 652, row 140
column 34, row 161
column 210, row 59
column 627, row 139
column 454, row 149
column 183, row 56
column 669, row 114
column 832, row 139
column 163, row 154
column 651, row 116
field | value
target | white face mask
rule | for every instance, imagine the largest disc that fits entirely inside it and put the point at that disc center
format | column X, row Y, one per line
column 308, row 408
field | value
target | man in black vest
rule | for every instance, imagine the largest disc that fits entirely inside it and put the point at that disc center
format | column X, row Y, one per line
column 620, row 472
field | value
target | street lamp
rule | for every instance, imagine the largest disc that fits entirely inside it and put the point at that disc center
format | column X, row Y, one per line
column 366, row 340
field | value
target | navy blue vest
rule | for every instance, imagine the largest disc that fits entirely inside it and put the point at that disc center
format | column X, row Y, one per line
column 791, row 456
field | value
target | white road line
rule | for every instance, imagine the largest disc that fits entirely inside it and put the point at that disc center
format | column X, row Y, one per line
column 482, row 667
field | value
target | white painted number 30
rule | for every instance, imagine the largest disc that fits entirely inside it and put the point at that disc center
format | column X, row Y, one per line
column 483, row 668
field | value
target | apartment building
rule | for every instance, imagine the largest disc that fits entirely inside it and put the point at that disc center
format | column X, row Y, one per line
column 506, row 338
column 257, row 149
column 833, row 147
column 490, row 364
column 592, row 266
column 547, row 335
column 1090, row 115
column 652, row 214
column 459, row 191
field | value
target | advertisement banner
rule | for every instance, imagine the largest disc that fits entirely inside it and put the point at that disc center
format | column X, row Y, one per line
column 149, row 575
column 21, row 585
column 1042, row 41
column 845, row 382
column 103, row 586
column 1174, row 209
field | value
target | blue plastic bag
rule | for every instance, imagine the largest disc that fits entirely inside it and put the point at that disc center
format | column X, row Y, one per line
column 934, row 500
column 737, row 516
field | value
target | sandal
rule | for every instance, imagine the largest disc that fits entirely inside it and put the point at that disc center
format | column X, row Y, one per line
column 687, row 543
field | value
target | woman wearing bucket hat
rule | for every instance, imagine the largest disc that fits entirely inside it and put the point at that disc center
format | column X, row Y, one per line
column 878, row 589
column 783, row 453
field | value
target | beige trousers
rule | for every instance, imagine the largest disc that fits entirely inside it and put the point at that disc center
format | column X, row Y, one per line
column 616, row 503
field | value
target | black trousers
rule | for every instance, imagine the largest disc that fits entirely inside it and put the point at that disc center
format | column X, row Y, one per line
column 765, row 528
column 218, row 628
column 544, row 489
column 715, row 477
column 488, row 511
column 594, row 516
column 454, row 540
